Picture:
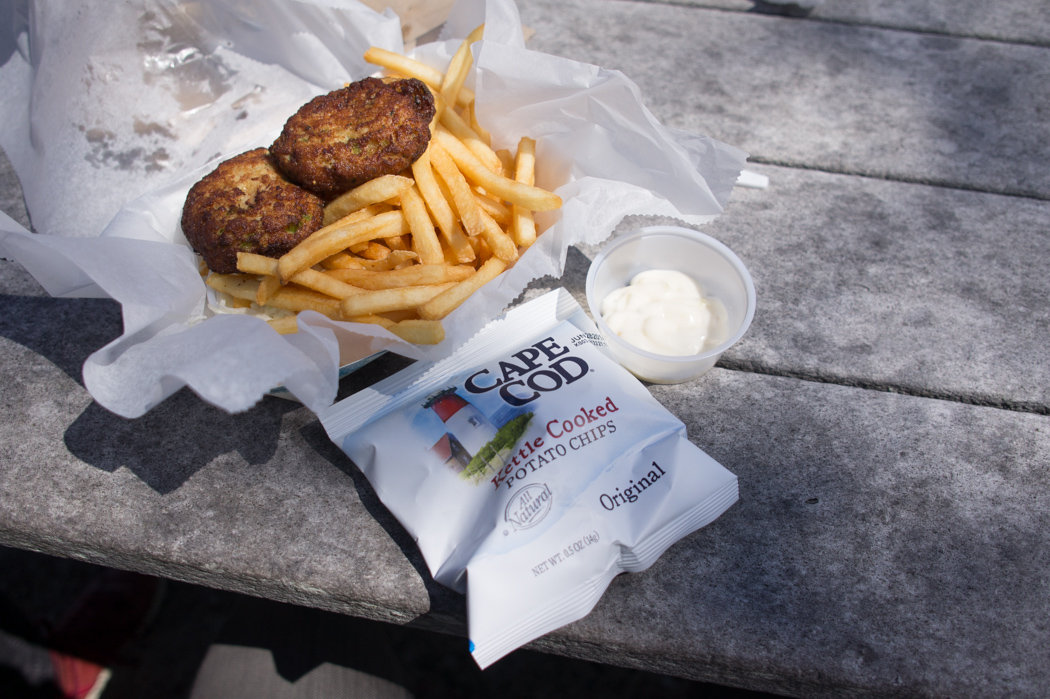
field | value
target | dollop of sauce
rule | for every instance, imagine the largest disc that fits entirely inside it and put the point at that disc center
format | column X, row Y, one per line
column 665, row 312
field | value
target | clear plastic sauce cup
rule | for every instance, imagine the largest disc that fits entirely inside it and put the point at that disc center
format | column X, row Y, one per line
column 720, row 274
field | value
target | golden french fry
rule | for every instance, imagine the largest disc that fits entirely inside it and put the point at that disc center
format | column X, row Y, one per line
column 500, row 243
column 294, row 298
column 440, row 209
column 428, row 189
column 416, row 275
column 372, row 192
column 391, row 299
column 424, row 240
column 405, row 66
column 527, row 196
column 371, row 320
column 419, row 332
column 493, row 208
column 507, row 158
column 447, row 194
column 288, row 325
column 252, row 263
column 451, row 257
column 398, row 242
column 414, row 69
column 465, row 97
column 268, row 286
column 341, row 260
column 325, row 284
column 338, row 237
column 459, row 128
column 371, row 250
column 310, row 278
column 459, row 67
column 523, row 225
column 239, row 286
column 462, row 195
column 464, row 247
column 449, row 300
column 481, row 249
column 394, row 260
column 525, row 161
column 359, row 215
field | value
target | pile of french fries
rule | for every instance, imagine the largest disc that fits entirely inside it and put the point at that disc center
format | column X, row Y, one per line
column 404, row 251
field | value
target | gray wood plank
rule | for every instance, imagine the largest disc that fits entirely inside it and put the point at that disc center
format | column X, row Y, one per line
column 882, row 103
column 882, row 543
column 1017, row 21
column 261, row 502
column 917, row 289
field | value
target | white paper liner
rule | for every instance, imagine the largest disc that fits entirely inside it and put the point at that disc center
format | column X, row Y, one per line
column 82, row 149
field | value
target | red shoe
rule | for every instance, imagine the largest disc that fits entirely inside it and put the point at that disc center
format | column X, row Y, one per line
column 92, row 632
column 78, row 679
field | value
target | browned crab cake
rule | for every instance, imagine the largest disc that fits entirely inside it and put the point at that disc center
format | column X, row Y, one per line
column 347, row 137
column 247, row 205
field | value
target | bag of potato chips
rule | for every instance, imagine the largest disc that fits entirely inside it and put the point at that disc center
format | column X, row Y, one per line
column 531, row 469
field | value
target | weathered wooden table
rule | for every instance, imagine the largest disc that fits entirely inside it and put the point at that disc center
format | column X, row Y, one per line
column 886, row 414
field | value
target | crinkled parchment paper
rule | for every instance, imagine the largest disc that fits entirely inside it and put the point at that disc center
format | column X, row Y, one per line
column 114, row 112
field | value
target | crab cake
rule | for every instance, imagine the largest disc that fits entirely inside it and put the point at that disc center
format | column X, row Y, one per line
column 247, row 205
column 343, row 139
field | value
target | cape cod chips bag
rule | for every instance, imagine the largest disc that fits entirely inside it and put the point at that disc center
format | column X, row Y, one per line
column 531, row 468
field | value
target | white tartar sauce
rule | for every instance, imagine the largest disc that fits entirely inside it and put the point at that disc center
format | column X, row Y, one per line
column 665, row 312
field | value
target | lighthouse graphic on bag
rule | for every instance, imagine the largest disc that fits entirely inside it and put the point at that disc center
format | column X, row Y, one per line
column 467, row 430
